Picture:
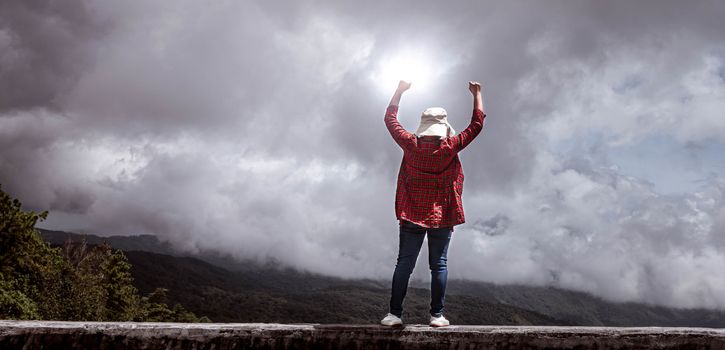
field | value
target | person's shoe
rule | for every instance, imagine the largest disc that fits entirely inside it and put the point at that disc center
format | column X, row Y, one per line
column 439, row 321
column 391, row 320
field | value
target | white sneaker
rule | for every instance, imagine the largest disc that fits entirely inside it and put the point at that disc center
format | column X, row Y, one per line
column 391, row 320
column 438, row 321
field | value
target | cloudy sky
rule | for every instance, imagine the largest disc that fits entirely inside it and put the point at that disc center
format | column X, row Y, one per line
column 256, row 128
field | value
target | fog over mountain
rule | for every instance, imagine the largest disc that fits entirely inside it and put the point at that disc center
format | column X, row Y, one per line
column 256, row 128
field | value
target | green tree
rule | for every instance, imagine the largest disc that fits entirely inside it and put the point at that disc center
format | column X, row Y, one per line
column 122, row 298
column 155, row 309
column 73, row 282
column 26, row 262
column 14, row 302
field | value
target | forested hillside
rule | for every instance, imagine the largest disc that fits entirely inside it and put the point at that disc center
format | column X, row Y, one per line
column 74, row 281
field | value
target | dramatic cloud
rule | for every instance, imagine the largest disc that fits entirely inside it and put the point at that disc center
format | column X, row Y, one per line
column 256, row 128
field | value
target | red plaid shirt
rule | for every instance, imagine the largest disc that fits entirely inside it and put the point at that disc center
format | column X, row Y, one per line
column 430, row 181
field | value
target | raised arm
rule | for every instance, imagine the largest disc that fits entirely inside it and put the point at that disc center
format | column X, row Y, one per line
column 462, row 140
column 401, row 136
column 475, row 89
column 402, row 87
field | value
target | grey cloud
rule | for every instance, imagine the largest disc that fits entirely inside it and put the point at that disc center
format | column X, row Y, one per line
column 254, row 128
column 493, row 226
column 45, row 47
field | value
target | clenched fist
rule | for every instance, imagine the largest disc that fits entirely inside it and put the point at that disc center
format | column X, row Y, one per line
column 474, row 87
column 403, row 85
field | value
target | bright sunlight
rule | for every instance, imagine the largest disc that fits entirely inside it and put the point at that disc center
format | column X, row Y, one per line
column 410, row 65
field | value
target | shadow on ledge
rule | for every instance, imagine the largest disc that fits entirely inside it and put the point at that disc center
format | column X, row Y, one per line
column 129, row 335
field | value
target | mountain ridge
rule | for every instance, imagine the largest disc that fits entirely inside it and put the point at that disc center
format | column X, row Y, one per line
column 216, row 280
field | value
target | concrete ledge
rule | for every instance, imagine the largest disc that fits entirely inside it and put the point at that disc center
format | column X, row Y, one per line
column 121, row 335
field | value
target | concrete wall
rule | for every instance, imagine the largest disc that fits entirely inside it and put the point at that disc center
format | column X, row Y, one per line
column 114, row 335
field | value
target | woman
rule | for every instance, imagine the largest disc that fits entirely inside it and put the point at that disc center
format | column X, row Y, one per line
column 428, row 197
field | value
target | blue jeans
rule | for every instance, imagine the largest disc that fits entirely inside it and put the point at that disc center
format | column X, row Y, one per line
column 411, row 239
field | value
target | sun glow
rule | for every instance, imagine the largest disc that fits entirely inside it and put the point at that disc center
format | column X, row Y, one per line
column 411, row 65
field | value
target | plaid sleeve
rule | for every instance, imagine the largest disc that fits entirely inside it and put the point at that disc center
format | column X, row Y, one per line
column 401, row 136
column 462, row 140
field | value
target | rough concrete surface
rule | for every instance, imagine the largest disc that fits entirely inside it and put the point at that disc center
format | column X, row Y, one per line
column 129, row 335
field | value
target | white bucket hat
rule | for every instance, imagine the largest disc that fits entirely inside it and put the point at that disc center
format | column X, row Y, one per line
column 434, row 122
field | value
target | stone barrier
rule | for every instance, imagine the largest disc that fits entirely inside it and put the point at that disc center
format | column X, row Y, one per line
column 219, row 336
